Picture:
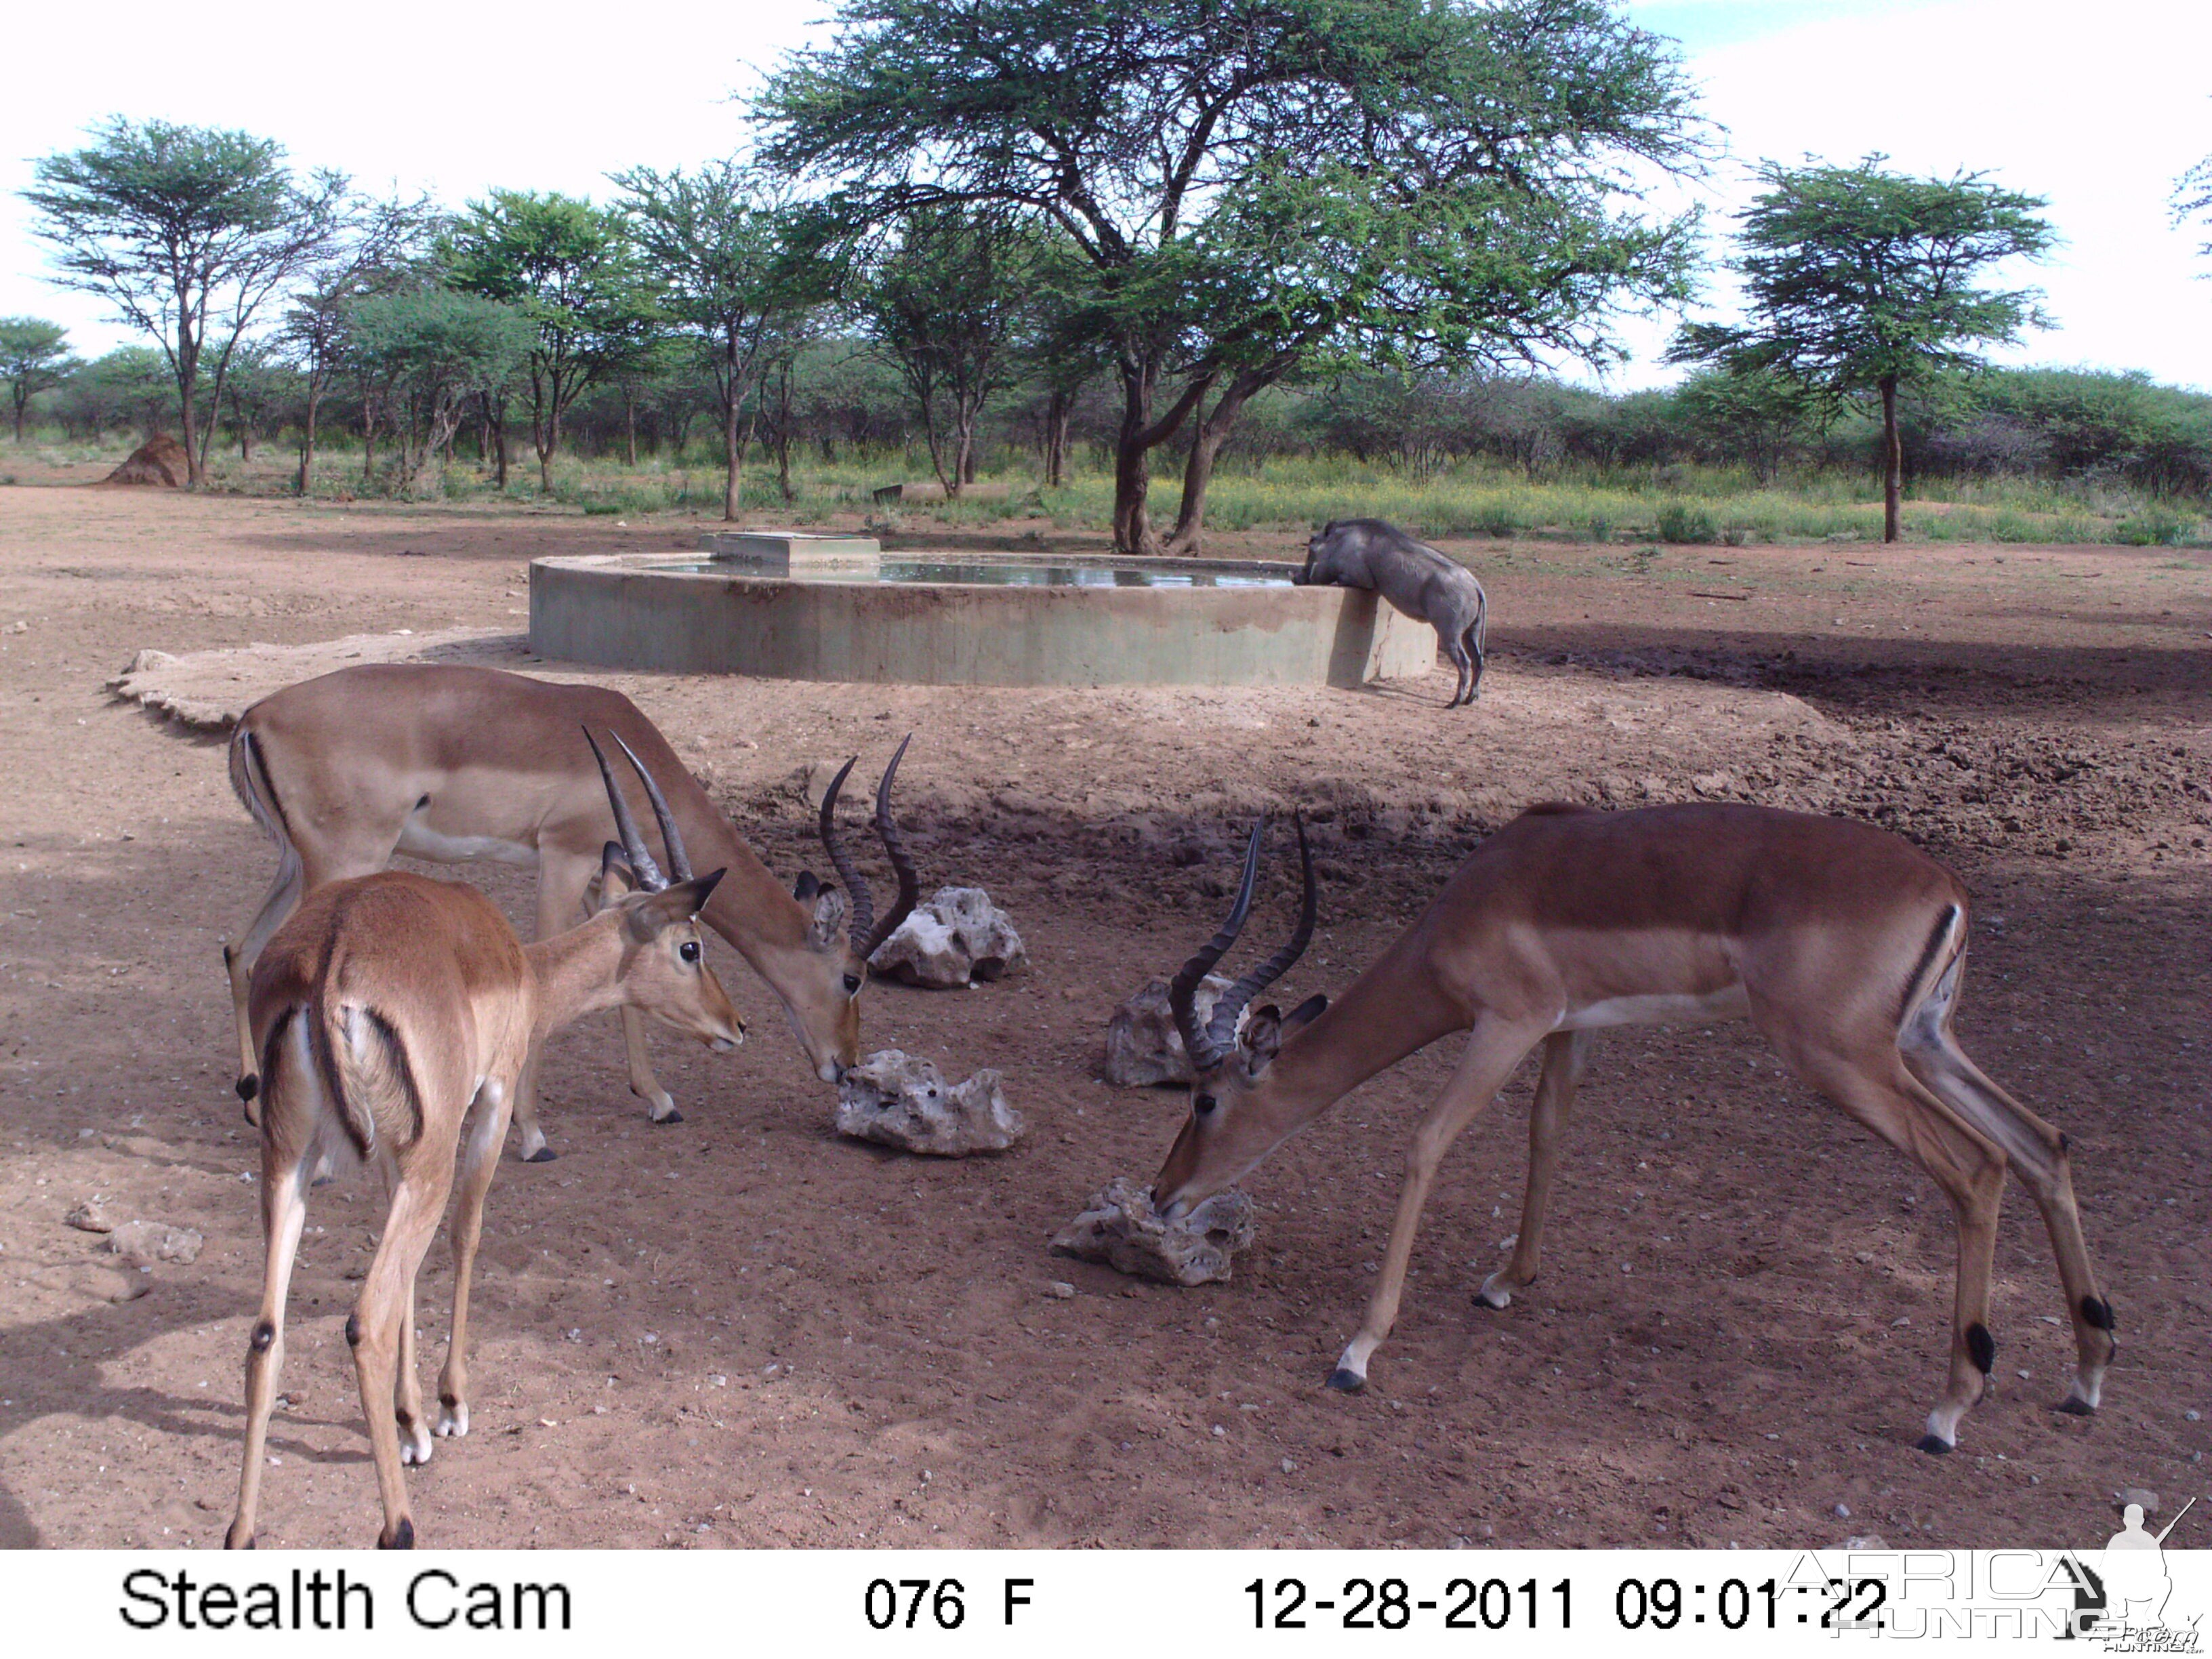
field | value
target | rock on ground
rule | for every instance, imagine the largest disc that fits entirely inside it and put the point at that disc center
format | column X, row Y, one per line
column 89, row 1216
column 903, row 1101
column 1119, row 1227
column 956, row 938
column 1142, row 1046
column 146, row 1242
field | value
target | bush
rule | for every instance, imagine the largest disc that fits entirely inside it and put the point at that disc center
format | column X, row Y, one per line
column 1682, row 523
column 2154, row 526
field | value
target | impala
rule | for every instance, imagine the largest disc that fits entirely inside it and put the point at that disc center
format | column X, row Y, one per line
column 1843, row 944
column 394, row 1016
column 456, row 764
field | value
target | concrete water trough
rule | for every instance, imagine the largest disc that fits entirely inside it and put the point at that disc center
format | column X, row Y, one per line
column 963, row 619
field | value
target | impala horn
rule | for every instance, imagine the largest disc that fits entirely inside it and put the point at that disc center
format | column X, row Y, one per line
column 866, row 934
column 679, row 861
column 1222, row 1029
column 1198, row 1040
column 633, row 844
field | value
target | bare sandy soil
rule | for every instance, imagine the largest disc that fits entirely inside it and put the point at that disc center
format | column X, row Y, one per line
column 742, row 1330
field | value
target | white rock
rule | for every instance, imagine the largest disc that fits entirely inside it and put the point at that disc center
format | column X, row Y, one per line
column 148, row 1242
column 1119, row 1227
column 955, row 939
column 89, row 1216
column 1144, row 1048
column 906, row 1103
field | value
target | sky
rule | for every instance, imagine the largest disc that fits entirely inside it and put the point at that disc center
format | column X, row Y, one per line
column 2097, row 107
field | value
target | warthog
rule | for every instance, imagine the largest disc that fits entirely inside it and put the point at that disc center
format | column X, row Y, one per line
column 1412, row 576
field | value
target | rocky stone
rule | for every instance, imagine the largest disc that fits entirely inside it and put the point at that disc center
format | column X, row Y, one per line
column 1142, row 1046
column 145, row 1243
column 2141, row 1495
column 903, row 1101
column 1119, row 1227
column 90, row 1216
column 955, row 939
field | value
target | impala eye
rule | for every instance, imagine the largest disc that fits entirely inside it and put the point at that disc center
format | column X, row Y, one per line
column 1203, row 1104
column 688, row 949
column 852, row 985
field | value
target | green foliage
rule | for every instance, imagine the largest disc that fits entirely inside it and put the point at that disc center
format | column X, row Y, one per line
column 187, row 232
column 571, row 270
column 1856, row 276
column 1244, row 188
column 424, row 353
column 34, row 357
column 1680, row 523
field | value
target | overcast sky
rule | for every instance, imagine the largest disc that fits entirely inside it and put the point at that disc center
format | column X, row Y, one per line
column 2097, row 106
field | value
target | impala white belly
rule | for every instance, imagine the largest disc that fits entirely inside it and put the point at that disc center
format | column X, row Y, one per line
column 418, row 841
column 1666, row 1008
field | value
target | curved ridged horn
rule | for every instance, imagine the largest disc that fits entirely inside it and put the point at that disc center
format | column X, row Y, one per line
column 1197, row 1041
column 633, row 844
column 864, row 909
column 1222, row 1029
column 909, row 884
column 679, row 862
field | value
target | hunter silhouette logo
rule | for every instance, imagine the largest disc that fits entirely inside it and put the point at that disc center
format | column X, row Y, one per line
column 2120, row 1602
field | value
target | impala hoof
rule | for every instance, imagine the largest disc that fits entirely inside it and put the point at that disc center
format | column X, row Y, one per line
column 401, row 1538
column 543, row 1154
column 453, row 1419
column 231, row 1543
column 671, row 1115
column 1494, row 1301
column 2074, row 1405
column 1934, row 1444
column 1345, row 1382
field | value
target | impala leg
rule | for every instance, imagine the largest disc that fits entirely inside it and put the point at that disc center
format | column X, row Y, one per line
column 1492, row 1052
column 479, row 1163
column 407, row 1391
column 284, row 1174
column 646, row 1087
column 1878, row 1089
column 238, row 962
column 374, row 1330
column 563, row 881
column 2037, row 1152
column 1566, row 1056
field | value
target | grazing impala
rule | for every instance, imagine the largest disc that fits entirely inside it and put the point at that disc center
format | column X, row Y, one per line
column 1843, row 944
column 394, row 1016
column 456, row 764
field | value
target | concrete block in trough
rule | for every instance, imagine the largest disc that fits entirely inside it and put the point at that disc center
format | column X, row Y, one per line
column 901, row 1100
column 1119, row 1227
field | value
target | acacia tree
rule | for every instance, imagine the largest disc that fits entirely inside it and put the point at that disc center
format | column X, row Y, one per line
column 1858, row 280
column 187, row 231
column 571, row 269
column 2192, row 200
column 375, row 249
column 947, row 301
column 426, row 355
column 719, row 241
column 1250, row 185
column 34, row 355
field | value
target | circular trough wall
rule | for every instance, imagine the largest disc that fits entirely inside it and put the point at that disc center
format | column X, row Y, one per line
column 658, row 611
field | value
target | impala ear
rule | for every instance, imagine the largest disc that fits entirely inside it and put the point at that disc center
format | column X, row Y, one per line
column 614, row 879
column 1304, row 1014
column 1263, row 1036
column 648, row 913
column 806, row 887
column 828, row 926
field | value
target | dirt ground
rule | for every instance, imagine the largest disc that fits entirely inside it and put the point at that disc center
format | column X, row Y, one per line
column 743, row 1330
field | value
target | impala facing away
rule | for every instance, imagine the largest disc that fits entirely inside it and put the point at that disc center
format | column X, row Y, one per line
column 1843, row 944
column 456, row 764
column 394, row 1016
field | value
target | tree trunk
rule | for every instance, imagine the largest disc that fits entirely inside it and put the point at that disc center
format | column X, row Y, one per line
column 783, row 433
column 1139, row 437
column 630, row 427
column 1055, row 440
column 1206, row 441
column 306, row 479
column 1892, row 461
column 22, row 398
column 733, row 477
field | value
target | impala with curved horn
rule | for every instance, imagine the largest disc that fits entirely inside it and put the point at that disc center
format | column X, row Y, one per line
column 395, row 1017
column 1844, row 945
column 459, row 764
